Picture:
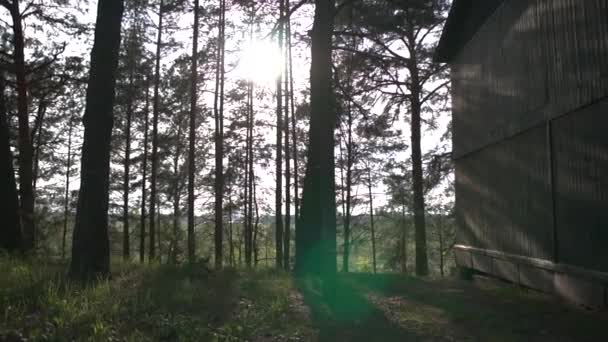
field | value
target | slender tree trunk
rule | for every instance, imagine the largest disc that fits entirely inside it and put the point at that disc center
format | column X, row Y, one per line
column 25, row 160
column 287, row 229
column 142, row 224
column 174, row 254
column 176, row 218
column 417, row 177
column 37, row 147
column 441, row 249
column 349, row 176
column 126, row 246
column 256, row 226
column 279, row 154
column 10, row 229
column 230, row 238
column 192, row 135
column 316, row 228
column 219, row 144
column 91, row 247
column 294, row 136
column 251, row 176
column 248, row 156
column 66, row 204
column 371, row 218
column 404, row 241
column 154, row 157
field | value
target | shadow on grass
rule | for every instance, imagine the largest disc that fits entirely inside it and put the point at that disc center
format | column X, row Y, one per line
column 342, row 313
column 464, row 310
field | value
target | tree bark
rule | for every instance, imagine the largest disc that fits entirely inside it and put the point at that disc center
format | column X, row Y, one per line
column 279, row 154
column 287, row 228
column 441, row 248
column 316, row 228
column 349, row 176
column 25, row 159
column 219, row 143
column 174, row 253
column 371, row 218
column 294, row 137
column 90, row 247
column 126, row 246
column 256, row 226
column 417, row 177
column 154, row 156
column 142, row 224
column 403, row 241
column 192, row 135
column 10, row 229
column 37, row 147
column 66, row 204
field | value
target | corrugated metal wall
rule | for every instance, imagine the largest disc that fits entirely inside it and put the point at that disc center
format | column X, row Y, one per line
column 580, row 149
column 531, row 120
column 504, row 196
column 530, row 62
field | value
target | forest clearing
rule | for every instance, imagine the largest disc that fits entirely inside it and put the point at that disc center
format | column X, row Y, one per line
column 191, row 303
column 310, row 170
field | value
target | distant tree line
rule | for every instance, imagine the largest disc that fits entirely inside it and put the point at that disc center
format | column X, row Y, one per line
column 138, row 123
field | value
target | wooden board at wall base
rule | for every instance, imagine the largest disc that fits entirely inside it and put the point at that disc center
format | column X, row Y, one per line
column 506, row 270
column 536, row 278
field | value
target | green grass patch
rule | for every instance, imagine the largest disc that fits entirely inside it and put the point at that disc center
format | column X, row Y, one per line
column 144, row 303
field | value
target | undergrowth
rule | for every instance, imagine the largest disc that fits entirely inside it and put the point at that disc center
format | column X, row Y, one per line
column 141, row 303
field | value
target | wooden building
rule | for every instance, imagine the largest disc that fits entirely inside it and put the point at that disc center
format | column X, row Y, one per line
column 530, row 138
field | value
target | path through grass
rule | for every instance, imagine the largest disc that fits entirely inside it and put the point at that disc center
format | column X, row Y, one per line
column 189, row 303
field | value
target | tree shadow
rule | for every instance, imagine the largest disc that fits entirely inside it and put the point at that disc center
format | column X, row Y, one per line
column 342, row 313
column 479, row 310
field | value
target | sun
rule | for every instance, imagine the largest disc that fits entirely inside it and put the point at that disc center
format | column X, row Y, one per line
column 261, row 62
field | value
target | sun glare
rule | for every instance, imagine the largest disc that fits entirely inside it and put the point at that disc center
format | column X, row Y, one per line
column 261, row 62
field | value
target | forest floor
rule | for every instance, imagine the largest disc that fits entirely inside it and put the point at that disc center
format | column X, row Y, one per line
column 189, row 303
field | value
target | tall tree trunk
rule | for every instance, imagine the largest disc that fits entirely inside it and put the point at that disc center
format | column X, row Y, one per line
column 66, row 204
column 91, row 247
column 279, row 154
column 219, row 143
column 154, row 156
column 371, row 218
column 294, row 132
column 37, row 147
column 230, row 237
column 10, row 230
column 126, row 246
column 441, row 248
column 287, row 228
column 176, row 192
column 144, row 161
column 316, row 228
column 422, row 267
column 192, row 135
column 256, row 226
column 251, row 176
column 403, row 241
column 25, row 160
column 247, row 228
column 349, row 176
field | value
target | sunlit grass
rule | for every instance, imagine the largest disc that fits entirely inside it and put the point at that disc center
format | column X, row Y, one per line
column 143, row 303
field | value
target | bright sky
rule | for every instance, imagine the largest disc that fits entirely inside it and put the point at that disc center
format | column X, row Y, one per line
column 260, row 60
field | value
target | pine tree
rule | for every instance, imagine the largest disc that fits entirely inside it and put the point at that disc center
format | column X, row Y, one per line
column 316, row 228
column 10, row 233
column 192, row 135
column 90, row 247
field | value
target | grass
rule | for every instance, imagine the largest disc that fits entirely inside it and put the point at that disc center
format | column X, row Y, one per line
column 143, row 303
column 189, row 303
